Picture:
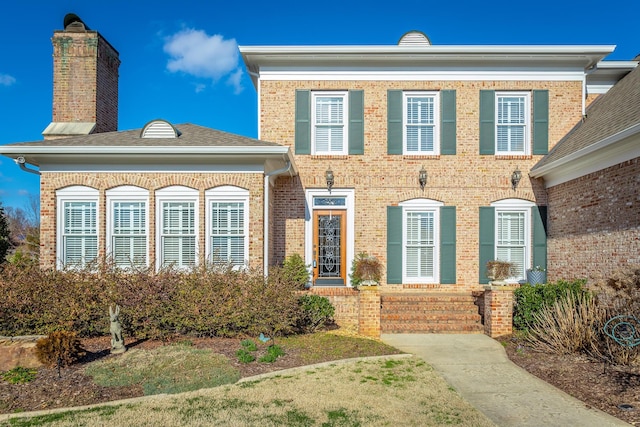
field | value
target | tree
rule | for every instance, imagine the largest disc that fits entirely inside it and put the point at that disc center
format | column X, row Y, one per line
column 24, row 231
column 5, row 235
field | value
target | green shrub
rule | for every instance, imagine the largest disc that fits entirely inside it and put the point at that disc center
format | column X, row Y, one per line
column 317, row 312
column 245, row 356
column 249, row 345
column 273, row 352
column 60, row 348
column 296, row 270
column 530, row 300
column 19, row 375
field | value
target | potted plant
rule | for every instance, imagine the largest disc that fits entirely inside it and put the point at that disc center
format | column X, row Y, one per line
column 537, row 275
column 365, row 270
column 498, row 271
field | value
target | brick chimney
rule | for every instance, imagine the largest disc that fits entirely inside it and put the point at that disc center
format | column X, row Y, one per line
column 85, row 82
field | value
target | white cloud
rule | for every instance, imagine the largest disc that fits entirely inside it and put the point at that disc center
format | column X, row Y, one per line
column 201, row 55
column 6, row 80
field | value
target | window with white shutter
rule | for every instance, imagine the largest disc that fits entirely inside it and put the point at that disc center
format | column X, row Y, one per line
column 227, row 225
column 512, row 123
column 330, row 120
column 513, row 234
column 421, row 258
column 77, row 226
column 127, row 226
column 177, row 227
column 421, row 115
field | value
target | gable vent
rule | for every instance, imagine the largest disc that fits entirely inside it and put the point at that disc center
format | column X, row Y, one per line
column 414, row 38
column 159, row 129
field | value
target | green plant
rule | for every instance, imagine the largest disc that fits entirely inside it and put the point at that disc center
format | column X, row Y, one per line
column 61, row 348
column 296, row 270
column 317, row 312
column 245, row 356
column 530, row 300
column 273, row 352
column 365, row 268
column 500, row 270
column 19, row 375
column 249, row 345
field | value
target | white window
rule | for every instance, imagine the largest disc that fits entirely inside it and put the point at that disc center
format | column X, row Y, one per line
column 513, row 234
column 420, row 241
column 177, row 213
column 127, row 226
column 77, row 242
column 330, row 119
column 227, row 225
column 421, row 115
column 512, row 123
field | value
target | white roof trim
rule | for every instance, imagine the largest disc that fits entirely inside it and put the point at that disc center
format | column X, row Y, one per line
column 147, row 150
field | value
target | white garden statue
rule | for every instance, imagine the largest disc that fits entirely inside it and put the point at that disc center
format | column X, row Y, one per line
column 117, row 342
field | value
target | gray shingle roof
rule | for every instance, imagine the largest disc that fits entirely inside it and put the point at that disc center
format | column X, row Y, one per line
column 191, row 135
column 611, row 113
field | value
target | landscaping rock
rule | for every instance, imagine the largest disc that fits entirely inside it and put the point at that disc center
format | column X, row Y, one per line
column 19, row 351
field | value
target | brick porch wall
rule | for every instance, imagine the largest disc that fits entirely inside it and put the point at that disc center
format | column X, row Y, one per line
column 50, row 182
column 465, row 180
column 595, row 223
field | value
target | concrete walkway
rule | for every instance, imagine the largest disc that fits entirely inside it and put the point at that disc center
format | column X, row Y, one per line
column 480, row 371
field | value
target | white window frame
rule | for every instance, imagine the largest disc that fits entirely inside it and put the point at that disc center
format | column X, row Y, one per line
column 175, row 194
column 227, row 194
column 76, row 193
column 526, row 149
column 345, row 122
column 126, row 194
column 421, row 206
column 516, row 206
column 436, row 122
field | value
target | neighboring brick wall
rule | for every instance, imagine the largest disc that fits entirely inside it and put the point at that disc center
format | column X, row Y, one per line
column 50, row 182
column 465, row 180
column 85, row 79
column 595, row 223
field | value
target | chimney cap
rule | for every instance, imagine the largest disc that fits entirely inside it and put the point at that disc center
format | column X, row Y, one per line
column 72, row 22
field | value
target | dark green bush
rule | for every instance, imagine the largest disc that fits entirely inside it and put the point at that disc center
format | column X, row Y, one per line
column 529, row 300
column 206, row 301
column 60, row 348
column 317, row 312
column 294, row 268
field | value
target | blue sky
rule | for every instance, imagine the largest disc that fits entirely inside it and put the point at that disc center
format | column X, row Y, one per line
column 180, row 60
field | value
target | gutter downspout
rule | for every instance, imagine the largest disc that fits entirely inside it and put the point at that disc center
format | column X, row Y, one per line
column 265, row 231
column 20, row 161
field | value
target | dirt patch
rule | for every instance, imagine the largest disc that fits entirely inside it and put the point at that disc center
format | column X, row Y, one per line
column 601, row 386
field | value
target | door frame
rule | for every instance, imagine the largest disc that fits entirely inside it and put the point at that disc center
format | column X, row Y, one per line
column 349, row 195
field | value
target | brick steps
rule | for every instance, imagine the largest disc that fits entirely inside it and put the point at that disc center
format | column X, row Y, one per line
column 429, row 312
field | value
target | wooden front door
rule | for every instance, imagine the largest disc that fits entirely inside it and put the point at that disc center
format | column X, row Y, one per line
column 329, row 247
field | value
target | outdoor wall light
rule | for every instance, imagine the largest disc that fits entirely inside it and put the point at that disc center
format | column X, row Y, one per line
column 329, row 177
column 422, row 178
column 515, row 178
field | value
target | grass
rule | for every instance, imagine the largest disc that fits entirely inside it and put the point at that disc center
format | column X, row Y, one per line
column 393, row 391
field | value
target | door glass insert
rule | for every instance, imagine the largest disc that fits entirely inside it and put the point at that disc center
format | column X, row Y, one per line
column 329, row 250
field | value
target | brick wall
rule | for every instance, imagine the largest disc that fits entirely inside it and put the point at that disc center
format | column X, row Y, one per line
column 465, row 180
column 498, row 310
column 50, row 182
column 595, row 223
column 85, row 79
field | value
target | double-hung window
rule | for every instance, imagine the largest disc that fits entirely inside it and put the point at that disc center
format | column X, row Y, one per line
column 421, row 115
column 127, row 226
column 177, row 227
column 227, row 224
column 511, row 239
column 330, row 122
column 512, row 123
column 77, row 226
column 421, row 258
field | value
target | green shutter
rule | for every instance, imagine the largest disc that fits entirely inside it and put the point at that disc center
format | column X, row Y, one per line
column 448, row 122
column 487, row 241
column 394, row 122
column 540, row 121
column 394, row 244
column 356, row 122
column 303, row 122
column 539, row 219
column 448, row 245
column 487, row 122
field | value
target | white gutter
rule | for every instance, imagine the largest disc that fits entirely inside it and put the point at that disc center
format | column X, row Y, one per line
column 84, row 150
column 265, row 237
column 20, row 161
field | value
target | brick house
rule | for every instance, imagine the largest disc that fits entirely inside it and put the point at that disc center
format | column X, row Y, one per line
column 416, row 154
